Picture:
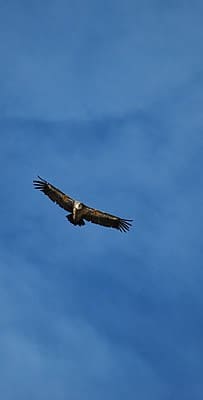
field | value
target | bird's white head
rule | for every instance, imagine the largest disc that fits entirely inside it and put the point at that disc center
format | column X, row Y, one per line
column 78, row 205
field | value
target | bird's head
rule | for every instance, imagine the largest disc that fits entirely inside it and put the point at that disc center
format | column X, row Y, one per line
column 78, row 205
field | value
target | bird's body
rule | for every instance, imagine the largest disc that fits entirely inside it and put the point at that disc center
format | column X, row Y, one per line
column 77, row 213
column 78, row 210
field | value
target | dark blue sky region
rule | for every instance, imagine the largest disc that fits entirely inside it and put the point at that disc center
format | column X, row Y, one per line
column 104, row 100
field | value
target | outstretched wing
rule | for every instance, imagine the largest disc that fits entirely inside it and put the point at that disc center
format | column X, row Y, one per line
column 105, row 219
column 54, row 194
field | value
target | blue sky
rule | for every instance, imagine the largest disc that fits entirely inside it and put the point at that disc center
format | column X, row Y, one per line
column 103, row 99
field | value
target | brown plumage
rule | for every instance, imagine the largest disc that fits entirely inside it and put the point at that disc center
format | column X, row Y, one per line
column 79, row 211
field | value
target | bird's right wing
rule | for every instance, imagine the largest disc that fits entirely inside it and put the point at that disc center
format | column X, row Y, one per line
column 106, row 219
column 54, row 194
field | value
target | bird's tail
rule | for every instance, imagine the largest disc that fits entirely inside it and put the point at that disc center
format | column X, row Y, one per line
column 81, row 222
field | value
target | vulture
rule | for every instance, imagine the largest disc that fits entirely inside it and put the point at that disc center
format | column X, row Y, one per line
column 78, row 211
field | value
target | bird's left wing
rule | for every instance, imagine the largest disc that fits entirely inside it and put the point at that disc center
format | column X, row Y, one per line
column 106, row 219
column 54, row 194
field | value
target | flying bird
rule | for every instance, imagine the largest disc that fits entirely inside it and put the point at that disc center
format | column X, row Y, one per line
column 79, row 211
